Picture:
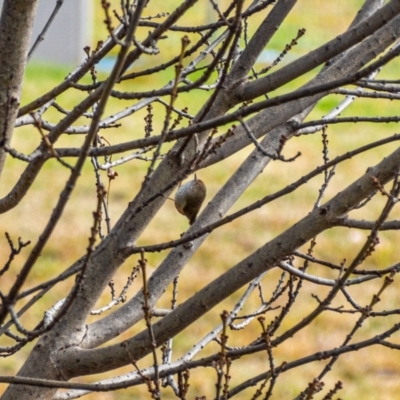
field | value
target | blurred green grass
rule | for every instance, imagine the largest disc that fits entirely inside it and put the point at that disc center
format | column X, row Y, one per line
column 363, row 378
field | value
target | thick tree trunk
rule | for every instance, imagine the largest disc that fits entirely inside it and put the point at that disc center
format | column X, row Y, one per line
column 16, row 25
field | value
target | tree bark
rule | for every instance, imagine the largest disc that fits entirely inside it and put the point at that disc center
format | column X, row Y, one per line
column 16, row 24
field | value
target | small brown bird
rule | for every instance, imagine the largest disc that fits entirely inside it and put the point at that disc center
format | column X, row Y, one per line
column 189, row 198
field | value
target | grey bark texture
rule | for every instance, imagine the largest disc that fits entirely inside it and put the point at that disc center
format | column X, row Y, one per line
column 16, row 25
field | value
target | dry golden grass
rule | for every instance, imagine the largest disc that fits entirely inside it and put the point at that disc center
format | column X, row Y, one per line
column 367, row 375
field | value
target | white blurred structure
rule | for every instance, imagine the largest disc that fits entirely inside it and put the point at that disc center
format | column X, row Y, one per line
column 69, row 33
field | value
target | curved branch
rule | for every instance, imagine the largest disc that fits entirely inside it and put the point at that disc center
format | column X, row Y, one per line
column 320, row 219
column 323, row 54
